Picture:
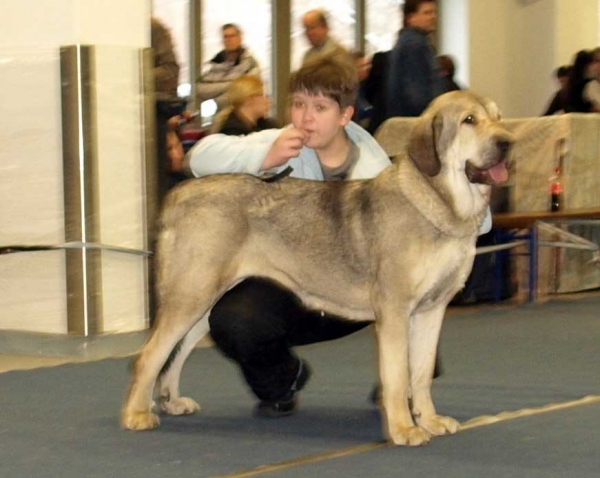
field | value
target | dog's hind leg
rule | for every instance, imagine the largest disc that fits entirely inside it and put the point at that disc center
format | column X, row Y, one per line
column 423, row 339
column 170, row 400
column 178, row 312
column 392, row 332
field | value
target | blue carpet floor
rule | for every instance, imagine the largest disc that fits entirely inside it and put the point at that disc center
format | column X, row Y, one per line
column 63, row 421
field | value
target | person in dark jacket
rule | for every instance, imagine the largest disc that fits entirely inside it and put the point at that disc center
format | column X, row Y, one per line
column 413, row 74
column 447, row 68
column 362, row 108
column 375, row 89
column 232, row 62
column 580, row 76
column 559, row 100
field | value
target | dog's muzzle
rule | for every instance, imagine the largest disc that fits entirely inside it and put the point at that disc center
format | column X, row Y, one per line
column 497, row 173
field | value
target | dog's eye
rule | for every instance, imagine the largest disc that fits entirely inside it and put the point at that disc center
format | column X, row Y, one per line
column 470, row 120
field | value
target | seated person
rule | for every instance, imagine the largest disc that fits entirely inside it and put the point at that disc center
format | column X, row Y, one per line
column 233, row 61
column 248, row 108
column 559, row 100
column 174, row 150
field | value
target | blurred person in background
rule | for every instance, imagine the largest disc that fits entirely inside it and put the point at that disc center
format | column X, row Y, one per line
column 316, row 30
column 166, row 68
column 166, row 80
column 413, row 80
column 559, row 100
column 362, row 108
column 375, row 89
column 580, row 76
column 230, row 63
column 447, row 69
column 248, row 109
column 591, row 91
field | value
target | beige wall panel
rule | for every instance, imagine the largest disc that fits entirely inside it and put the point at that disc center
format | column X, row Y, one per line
column 33, row 292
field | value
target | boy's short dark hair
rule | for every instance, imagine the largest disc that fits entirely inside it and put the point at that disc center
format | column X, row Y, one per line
column 332, row 77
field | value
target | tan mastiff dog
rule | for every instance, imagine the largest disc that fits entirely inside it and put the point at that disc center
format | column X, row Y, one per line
column 393, row 249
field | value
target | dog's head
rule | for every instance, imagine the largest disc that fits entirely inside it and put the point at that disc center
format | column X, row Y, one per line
column 459, row 144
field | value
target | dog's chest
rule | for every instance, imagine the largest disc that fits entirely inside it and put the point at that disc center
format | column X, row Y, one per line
column 445, row 272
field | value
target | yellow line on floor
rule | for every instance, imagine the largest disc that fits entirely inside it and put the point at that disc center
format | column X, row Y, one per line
column 307, row 460
column 476, row 422
column 526, row 412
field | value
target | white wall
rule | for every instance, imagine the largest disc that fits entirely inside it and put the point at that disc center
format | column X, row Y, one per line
column 576, row 27
column 489, row 42
column 514, row 46
column 454, row 19
column 33, row 285
column 66, row 22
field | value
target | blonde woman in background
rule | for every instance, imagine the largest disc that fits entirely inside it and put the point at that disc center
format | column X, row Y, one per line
column 248, row 108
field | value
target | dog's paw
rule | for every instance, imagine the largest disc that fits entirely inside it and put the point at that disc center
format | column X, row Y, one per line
column 438, row 425
column 409, row 436
column 139, row 420
column 179, row 406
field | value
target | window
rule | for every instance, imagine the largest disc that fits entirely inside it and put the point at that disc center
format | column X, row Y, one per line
column 254, row 17
column 383, row 22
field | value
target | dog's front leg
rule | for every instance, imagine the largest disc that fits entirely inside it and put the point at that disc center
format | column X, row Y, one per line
column 392, row 332
column 424, row 333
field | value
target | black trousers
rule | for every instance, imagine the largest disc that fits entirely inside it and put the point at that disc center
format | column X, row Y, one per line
column 257, row 323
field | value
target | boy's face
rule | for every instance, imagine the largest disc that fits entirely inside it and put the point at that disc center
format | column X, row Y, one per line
column 321, row 118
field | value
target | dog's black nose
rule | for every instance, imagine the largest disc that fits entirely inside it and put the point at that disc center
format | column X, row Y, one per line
column 503, row 145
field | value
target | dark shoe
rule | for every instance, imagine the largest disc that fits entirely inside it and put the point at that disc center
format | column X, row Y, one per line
column 276, row 409
column 287, row 405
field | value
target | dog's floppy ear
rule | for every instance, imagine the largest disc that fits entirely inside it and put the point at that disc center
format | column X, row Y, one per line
column 422, row 146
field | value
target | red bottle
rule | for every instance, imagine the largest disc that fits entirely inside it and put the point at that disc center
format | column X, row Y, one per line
column 556, row 192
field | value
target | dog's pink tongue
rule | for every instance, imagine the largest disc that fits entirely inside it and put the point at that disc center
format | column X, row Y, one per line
column 499, row 173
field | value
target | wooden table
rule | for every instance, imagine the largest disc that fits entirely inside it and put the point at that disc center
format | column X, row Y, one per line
column 527, row 220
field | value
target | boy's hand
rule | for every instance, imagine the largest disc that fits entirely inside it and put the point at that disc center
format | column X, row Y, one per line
column 287, row 146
